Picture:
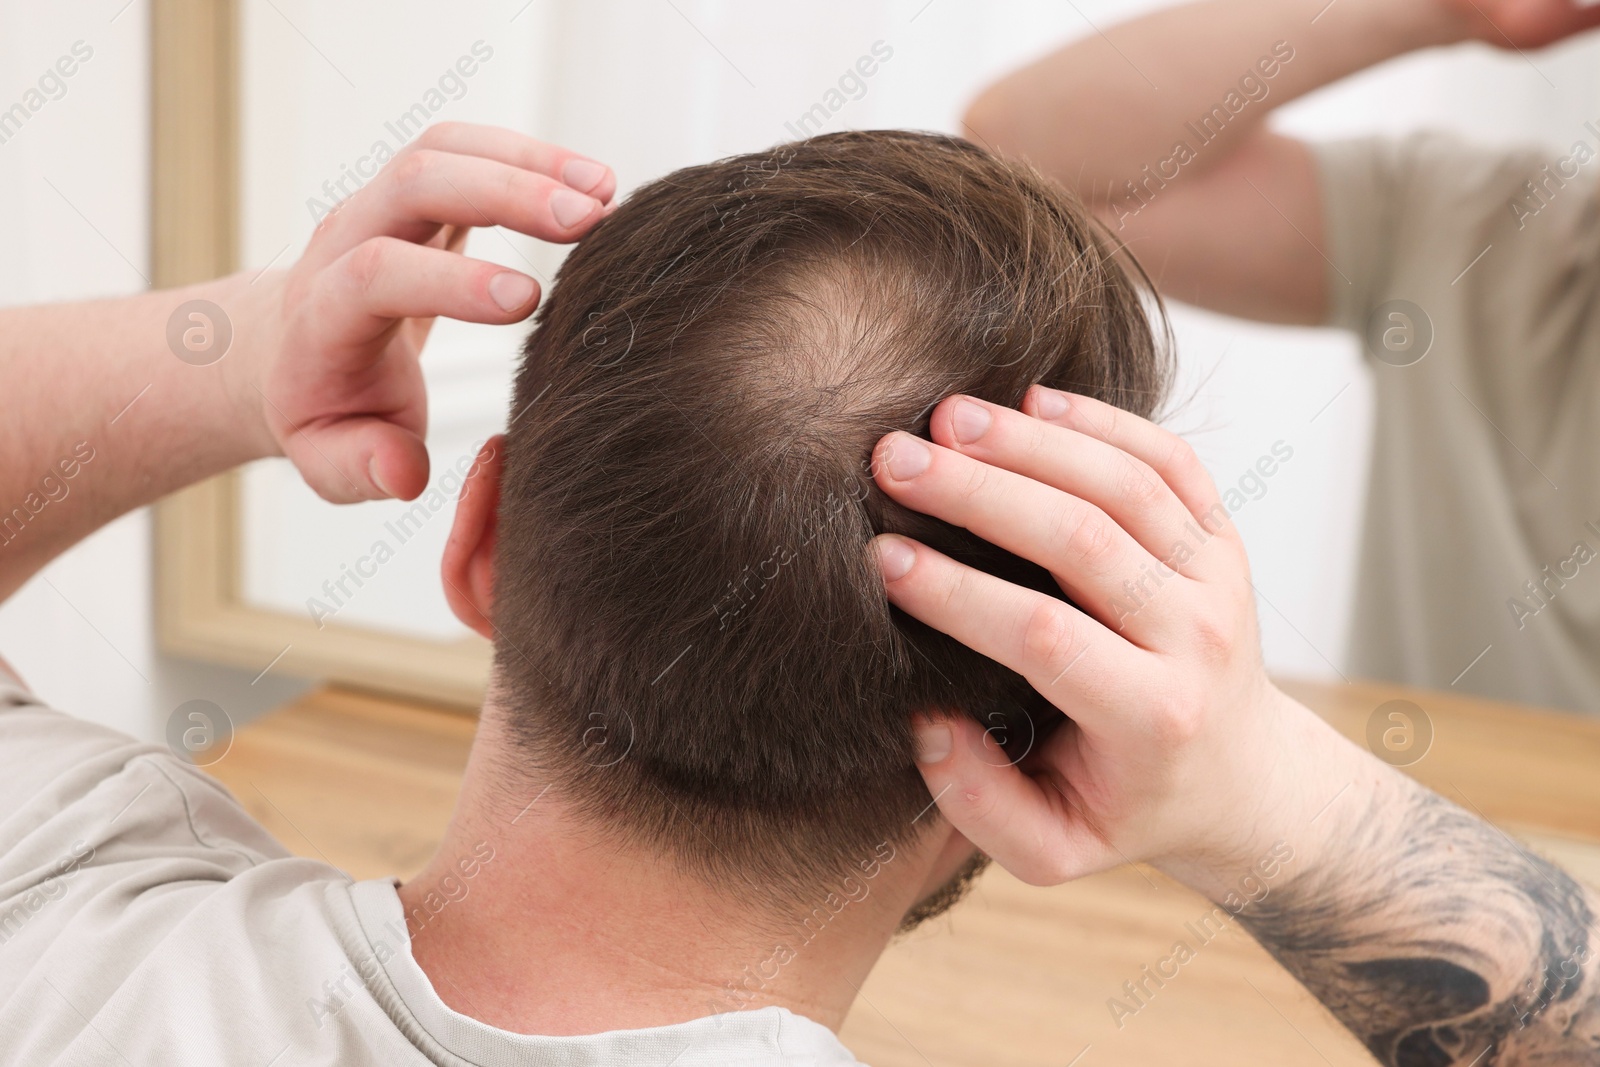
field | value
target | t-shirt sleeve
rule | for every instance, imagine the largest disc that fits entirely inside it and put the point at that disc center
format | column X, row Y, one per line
column 38, row 744
column 1361, row 185
column 146, row 917
column 1429, row 207
column 74, row 792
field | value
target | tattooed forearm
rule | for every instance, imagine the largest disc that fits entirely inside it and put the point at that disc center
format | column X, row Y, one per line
column 1443, row 942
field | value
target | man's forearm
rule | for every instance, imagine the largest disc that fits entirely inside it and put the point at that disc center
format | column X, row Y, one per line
column 103, row 415
column 1437, row 939
column 1097, row 112
column 114, row 404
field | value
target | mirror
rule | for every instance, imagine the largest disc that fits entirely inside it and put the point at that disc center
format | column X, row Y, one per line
column 256, row 567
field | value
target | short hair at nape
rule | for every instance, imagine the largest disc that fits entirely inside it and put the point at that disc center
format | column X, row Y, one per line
column 694, row 639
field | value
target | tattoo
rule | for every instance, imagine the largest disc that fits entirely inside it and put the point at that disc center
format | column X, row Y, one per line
column 1443, row 942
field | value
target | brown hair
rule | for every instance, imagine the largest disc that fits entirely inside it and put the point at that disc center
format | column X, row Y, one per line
column 693, row 636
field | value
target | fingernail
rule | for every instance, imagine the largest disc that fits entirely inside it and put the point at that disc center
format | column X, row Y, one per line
column 372, row 472
column 583, row 174
column 895, row 557
column 510, row 290
column 1050, row 404
column 970, row 420
column 571, row 208
column 933, row 742
column 907, row 457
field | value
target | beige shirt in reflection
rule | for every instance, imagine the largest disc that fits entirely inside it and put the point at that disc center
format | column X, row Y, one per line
column 1481, row 544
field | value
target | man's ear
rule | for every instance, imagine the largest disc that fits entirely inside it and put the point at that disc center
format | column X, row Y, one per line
column 468, row 565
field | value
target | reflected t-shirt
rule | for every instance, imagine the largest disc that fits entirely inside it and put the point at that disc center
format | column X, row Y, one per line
column 1481, row 549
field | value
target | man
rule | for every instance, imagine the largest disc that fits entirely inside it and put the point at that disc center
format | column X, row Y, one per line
column 693, row 816
column 1470, row 275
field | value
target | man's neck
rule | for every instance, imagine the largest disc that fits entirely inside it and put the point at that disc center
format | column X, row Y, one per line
column 533, row 921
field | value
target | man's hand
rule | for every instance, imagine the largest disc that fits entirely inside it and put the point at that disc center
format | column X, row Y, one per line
column 1429, row 933
column 1520, row 23
column 322, row 366
column 335, row 373
column 1177, row 749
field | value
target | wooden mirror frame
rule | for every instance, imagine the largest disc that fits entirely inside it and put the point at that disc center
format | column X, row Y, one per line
column 200, row 608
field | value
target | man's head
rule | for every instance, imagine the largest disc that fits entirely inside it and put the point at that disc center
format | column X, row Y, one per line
column 691, row 634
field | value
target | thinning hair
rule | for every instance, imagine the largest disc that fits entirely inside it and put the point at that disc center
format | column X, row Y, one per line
column 694, row 639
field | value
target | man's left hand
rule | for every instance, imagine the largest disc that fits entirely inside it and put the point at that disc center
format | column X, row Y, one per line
column 337, row 372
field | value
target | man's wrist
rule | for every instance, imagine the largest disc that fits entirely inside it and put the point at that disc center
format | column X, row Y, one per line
column 1324, row 793
column 1411, row 25
column 1292, row 811
column 1373, row 31
column 253, row 304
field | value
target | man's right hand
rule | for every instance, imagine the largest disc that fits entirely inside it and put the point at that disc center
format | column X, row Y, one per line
column 1178, row 749
column 1428, row 932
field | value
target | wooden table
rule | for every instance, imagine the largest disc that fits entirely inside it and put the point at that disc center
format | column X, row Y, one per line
column 1015, row 975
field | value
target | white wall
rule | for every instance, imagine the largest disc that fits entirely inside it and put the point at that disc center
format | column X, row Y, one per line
column 75, row 224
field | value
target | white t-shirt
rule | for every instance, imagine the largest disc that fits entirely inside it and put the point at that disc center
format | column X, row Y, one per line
column 1481, row 552
column 146, row 918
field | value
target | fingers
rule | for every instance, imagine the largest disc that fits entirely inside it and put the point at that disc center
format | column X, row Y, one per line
column 424, row 189
column 358, row 298
column 1093, row 558
column 1025, row 824
column 521, row 151
column 1073, row 661
column 1123, row 486
column 359, row 458
column 1166, row 453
